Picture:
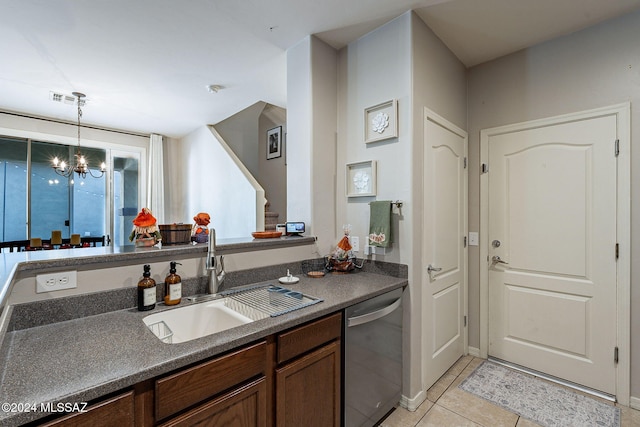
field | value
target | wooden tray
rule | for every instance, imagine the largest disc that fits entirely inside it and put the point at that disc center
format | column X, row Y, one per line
column 266, row 234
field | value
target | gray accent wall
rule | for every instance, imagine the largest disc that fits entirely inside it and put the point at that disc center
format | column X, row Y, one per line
column 596, row 67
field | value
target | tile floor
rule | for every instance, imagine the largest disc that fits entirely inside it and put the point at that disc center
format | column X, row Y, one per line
column 449, row 406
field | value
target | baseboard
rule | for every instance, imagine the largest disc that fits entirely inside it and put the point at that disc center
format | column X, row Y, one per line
column 474, row 351
column 412, row 404
column 634, row 402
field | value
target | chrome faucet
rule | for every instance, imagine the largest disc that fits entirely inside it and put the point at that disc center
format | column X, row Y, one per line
column 215, row 279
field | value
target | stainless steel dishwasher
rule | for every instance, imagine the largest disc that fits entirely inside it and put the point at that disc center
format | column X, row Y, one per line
column 372, row 359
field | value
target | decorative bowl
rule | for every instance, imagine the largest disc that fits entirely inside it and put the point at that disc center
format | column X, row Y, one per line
column 266, row 234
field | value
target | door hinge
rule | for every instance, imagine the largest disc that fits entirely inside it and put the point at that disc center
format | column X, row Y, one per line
column 464, row 163
column 617, row 147
column 465, row 321
column 485, row 168
column 617, row 250
column 615, row 355
column 464, row 240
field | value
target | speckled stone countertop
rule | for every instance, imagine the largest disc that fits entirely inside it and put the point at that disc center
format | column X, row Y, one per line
column 82, row 359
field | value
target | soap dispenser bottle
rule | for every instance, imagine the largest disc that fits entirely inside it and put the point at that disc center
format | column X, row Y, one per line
column 173, row 286
column 146, row 291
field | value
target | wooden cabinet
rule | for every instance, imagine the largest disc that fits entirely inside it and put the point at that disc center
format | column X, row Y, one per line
column 229, row 390
column 308, row 377
column 116, row 411
column 288, row 379
column 245, row 406
column 188, row 387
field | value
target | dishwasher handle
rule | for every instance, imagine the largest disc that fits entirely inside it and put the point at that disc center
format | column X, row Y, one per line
column 374, row 315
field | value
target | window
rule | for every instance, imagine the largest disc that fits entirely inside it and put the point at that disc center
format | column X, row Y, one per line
column 13, row 189
column 35, row 200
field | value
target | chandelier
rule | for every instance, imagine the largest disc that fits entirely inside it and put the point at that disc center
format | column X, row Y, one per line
column 81, row 167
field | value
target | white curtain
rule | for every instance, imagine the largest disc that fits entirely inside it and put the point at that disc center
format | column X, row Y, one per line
column 155, row 197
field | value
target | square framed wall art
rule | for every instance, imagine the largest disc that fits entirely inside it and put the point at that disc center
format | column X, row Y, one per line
column 381, row 121
column 361, row 179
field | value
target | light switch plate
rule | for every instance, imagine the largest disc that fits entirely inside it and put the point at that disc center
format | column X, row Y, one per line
column 473, row 238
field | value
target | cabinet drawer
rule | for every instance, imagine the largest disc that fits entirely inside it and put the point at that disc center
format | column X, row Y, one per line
column 307, row 337
column 193, row 385
column 245, row 406
column 115, row 411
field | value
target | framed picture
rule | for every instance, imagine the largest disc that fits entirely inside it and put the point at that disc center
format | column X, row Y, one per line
column 381, row 121
column 361, row 179
column 274, row 142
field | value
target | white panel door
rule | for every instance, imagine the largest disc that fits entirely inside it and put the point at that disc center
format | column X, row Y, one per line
column 552, row 223
column 444, row 254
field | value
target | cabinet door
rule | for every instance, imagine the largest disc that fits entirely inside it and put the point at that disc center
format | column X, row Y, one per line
column 308, row 389
column 243, row 407
column 117, row 411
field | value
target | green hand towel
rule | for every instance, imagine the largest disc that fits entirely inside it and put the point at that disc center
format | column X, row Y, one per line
column 380, row 223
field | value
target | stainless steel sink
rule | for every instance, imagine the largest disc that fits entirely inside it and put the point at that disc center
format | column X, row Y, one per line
column 194, row 321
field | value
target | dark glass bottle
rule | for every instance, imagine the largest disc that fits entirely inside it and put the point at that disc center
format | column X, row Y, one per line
column 146, row 291
column 172, row 286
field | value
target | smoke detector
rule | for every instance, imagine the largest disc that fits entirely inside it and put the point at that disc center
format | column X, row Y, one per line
column 66, row 99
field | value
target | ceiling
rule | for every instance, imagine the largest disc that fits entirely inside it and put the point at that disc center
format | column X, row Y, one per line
column 145, row 64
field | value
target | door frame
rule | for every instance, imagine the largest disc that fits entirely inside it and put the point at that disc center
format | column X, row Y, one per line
column 429, row 115
column 623, row 321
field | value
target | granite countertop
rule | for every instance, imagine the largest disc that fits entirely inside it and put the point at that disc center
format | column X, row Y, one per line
column 83, row 359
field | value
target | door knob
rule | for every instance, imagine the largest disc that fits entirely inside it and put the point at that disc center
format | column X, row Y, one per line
column 496, row 243
column 497, row 260
column 432, row 269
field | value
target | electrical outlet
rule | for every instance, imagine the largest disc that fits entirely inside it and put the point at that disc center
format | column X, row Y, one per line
column 56, row 281
column 355, row 243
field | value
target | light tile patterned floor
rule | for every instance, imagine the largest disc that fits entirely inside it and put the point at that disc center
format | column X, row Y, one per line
column 449, row 406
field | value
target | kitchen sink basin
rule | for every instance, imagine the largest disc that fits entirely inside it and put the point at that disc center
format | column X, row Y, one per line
column 194, row 321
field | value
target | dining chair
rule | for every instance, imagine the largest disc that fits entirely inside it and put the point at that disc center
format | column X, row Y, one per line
column 35, row 243
column 76, row 242
column 56, row 238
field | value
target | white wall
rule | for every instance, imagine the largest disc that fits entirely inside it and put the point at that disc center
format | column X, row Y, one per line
column 240, row 132
column 439, row 83
column 404, row 60
column 374, row 69
column 272, row 173
column 593, row 68
column 63, row 133
column 299, row 107
column 311, row 148
column 323, row 163
column 207, row 170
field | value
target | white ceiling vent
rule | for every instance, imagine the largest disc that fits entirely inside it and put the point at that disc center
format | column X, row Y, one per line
column 65, row 99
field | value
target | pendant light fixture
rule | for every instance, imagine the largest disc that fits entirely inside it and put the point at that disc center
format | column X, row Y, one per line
column 81, row 167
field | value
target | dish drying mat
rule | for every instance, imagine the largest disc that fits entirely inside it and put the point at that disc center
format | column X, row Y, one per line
column 261, row 301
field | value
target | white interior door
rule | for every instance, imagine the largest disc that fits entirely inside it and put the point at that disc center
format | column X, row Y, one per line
column 552, row 223
column 444, row 251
